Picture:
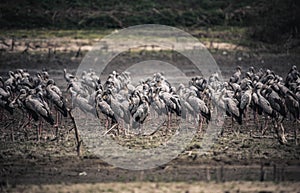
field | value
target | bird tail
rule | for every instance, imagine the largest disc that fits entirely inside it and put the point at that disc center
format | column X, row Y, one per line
column 239, row 119
column 207, row 116
column 178, row 106
column 113, row 119
column 127, row 116
column 49, row 119
column 63, row 110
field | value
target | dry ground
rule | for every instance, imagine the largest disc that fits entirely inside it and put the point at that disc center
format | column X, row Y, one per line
column 243, row 160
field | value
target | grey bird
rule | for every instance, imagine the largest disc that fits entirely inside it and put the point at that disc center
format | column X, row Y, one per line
column 199, row 107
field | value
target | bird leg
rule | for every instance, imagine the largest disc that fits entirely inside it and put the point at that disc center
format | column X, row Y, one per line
column 106, row 123
column 200, row 123
column 280, row 137
column 189, row 118
column 282, row 134
column 195, row 118
column 39, row 131
column 295, row 132
column 126, row 129
column 265, row 125
column 245, row 113
column 24, row 125
column 12, row 134
column 219, row 117
column 4, row 116
column 57, row 121
column 123, row 127
column 140, row 130
column 56, row 124
column 256, row 119
column 169, row 120
column 1, row 117
column 237, row 132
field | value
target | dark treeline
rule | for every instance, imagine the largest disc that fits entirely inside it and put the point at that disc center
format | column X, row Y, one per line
column 268, row 21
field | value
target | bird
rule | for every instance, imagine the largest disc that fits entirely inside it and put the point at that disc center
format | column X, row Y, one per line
column 36, row 109
column 267, row 94
column 78, row 88
column 5, row 104
column 236, row 76
column 231, row 107
column 157, row 103
column 54, row 94
column 199, row 108
column 142, row 111
column 172, row 103
column 5, row 93
column 246, row 98
column 266, row 108
column 82, row 103
column 134, row 101
column 121, row 110
column 276, row 102
column 11, row 81
column 104, row 108
column 68, row 77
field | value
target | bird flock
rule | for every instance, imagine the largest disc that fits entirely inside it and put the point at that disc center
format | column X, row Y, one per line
column 37, row 97
column 260, row 95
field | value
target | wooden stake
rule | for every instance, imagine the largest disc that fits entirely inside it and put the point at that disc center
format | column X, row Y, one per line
column 76, row 134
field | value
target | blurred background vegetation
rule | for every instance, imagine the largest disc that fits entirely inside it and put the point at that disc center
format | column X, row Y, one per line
column 275, row 21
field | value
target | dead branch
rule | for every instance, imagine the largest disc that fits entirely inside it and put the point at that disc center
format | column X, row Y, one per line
column 78, row 141
column 114, row 126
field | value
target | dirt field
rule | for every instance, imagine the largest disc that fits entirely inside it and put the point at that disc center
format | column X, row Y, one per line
column 148, row 187
column 235, row 163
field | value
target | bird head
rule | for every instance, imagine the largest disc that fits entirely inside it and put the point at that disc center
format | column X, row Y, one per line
column 23, row 93
column 45, row 75
column 251, row 69
column 145, row 99
column 11, row 74
column 50, row 82
column 258, row 85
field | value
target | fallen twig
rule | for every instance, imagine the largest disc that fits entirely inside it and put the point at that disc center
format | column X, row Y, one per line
column 110, row 129
column 262, row 137
column 149, row 134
